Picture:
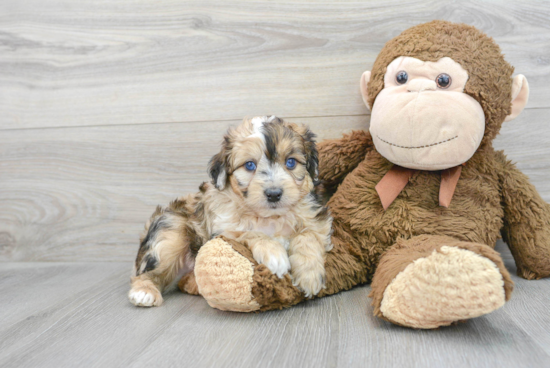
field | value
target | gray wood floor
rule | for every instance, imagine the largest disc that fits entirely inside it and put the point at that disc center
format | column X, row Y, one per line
column 108, row 108
column 75, row 314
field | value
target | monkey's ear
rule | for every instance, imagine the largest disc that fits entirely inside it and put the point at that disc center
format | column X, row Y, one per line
column 520, row 96
column 218, row 171
column 364, row 91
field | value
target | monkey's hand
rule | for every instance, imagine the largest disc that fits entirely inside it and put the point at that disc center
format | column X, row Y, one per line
column 338, row 157
column 526, row 223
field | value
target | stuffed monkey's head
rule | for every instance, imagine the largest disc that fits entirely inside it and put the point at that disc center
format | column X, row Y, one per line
column 438, row 92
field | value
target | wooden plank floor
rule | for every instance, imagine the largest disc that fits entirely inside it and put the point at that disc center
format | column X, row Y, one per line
column 108, row 108
column 77, row 315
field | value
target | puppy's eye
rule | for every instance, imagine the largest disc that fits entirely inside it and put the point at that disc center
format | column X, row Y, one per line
column 250, row 166
column 401, row 77
column 443, row 80
column 291, row 163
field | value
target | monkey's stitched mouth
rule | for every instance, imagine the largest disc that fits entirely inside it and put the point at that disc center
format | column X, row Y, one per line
column 412, row 147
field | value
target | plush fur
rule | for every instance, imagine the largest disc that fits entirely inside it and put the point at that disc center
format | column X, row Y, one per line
column 491, row 198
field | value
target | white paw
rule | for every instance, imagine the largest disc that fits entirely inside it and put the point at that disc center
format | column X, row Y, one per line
column 145, row 297
column 310, row 282
column 275, row 258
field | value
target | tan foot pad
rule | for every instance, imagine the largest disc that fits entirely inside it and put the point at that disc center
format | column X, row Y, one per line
column 224, row 277
column 450, row 285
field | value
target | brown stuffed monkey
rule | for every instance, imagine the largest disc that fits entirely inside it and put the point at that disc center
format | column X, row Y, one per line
column 419, row 202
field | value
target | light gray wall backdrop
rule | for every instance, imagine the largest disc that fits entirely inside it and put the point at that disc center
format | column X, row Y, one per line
column 108, row 108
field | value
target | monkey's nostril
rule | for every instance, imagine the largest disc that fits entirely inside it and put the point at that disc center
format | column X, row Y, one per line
column 273, row 194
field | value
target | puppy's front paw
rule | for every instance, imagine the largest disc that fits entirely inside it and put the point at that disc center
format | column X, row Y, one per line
column 310, row 282
column 308, row 274
column 145, row 297
column 273, row 255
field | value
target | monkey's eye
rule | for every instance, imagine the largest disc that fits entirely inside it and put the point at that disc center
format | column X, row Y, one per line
column 291, row 163
column 402, row 77
column 250, row 166
column 443, row 80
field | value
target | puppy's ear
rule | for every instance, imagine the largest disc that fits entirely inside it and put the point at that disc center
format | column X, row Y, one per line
column 217, row 169
column 312, row 159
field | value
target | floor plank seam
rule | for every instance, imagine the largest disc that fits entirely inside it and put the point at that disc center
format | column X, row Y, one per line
column 201, row 121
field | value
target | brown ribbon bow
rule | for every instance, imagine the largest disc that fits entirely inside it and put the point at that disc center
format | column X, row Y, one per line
column 395, row 180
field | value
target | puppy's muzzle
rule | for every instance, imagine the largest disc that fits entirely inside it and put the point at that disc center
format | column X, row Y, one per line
column 273, row 194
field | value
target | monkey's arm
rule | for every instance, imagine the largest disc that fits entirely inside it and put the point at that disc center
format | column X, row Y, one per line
column 338, row 157
column 526, row 223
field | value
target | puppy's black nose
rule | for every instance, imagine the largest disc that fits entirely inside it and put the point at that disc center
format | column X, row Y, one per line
column 273, row 194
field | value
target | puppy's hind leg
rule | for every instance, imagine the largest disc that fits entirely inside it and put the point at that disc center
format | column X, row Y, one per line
column 166, row 251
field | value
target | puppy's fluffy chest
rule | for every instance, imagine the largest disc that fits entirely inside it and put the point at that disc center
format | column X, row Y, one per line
column 229, row 216
column 279, row 227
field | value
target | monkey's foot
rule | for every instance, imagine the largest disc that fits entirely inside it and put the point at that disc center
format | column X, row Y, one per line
column 230, row 279
column 451, row 282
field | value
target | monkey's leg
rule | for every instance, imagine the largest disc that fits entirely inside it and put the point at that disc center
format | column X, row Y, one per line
column 430, row 281
column 229, row 278
column 164, row 254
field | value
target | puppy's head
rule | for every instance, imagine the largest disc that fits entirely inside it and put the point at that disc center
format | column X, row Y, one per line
column 269, row 163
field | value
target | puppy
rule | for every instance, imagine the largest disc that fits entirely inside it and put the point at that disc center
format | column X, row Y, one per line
column 262, row 194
